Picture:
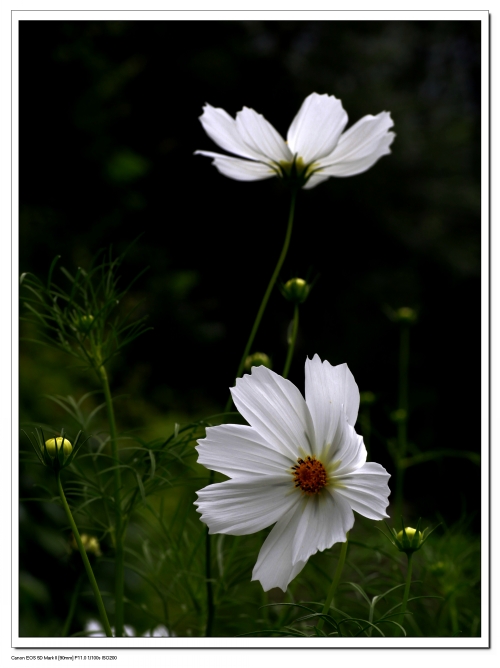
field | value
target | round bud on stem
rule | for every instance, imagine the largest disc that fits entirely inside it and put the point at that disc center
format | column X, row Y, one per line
column 296, row 290
column 54, row 445
column 257, row 359
column 405, row 314
column 90, row 544
column 86, row 322
column 410, row 532
column 400, row 415
column 409, row 540
column 367, row 398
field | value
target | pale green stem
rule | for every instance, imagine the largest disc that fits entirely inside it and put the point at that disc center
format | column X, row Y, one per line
column 335, row 582
column 404, row 356
column 119, row 529
column 267, row 293
column 407, row 588
column 291, row 343
column 86, row 562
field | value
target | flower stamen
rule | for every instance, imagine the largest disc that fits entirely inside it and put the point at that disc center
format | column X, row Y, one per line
column 309, row 475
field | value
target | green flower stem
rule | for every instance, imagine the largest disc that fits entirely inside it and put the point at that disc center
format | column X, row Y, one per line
column 335, row 582
column 86, row 562
column 404, row 357
column 291, row 342
column 119, row 528
column 267, row 294
column 407, row 588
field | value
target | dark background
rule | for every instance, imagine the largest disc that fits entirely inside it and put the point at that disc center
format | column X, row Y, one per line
column 108, row 126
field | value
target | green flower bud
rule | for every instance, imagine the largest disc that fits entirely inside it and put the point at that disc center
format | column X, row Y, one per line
column 54, row 445
column 257, row 359
column 90, row 543
column 407, row 534
column 296, row 290
column 83, row 323
column 409, row 540
column 57, row 452
column 86, row 322
column 367, row 398
column 399, row 416
column 438, row 569
column 406, row 315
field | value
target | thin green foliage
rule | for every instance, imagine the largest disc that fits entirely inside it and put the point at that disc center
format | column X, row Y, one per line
column 84, row 319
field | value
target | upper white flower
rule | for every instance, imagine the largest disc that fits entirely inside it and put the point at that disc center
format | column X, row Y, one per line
column 316, row 148
column 299, row 465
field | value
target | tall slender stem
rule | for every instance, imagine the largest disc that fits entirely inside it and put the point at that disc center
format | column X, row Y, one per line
column 404, row 357
column 119, row 551
column 335, row 582
column 86, row 562
column 407, row 587
column 267, row 293
column 291, row 342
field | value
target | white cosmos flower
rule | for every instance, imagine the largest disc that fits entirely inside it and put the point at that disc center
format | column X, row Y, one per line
column 299, row 465
column 316, row 146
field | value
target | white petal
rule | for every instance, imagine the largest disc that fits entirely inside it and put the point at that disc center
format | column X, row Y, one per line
column 240, row 507
column 316, row 128
column 342, row 169
column 274, row 567
column 241, row 170
column 366, row 490
column 314, row 180
column 220, row 127
column 260, row 135
column 331, row 391
column 363, row 137
column 277, row 410
column 360, row 147
column 347, row 450
column 238, row 450
column 325, row 521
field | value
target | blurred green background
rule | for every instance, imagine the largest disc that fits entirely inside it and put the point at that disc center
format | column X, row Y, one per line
column 108, row 126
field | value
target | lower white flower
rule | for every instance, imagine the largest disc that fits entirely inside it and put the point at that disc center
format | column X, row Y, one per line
column 299, row 465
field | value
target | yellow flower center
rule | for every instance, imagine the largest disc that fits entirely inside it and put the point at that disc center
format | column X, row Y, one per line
column 309, row 474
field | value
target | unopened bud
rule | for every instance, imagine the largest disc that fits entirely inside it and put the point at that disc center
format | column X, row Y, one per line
column 406, row 314
column 90, row 544
column 399, row 416
column 410, row 532
column 296, row 290
column 438, row 568
column 367, row 398
column 54, row 446
column 409, row 540
column 257, row 359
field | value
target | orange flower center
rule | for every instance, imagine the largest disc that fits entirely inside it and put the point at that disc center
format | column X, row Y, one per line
column 310, row 475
